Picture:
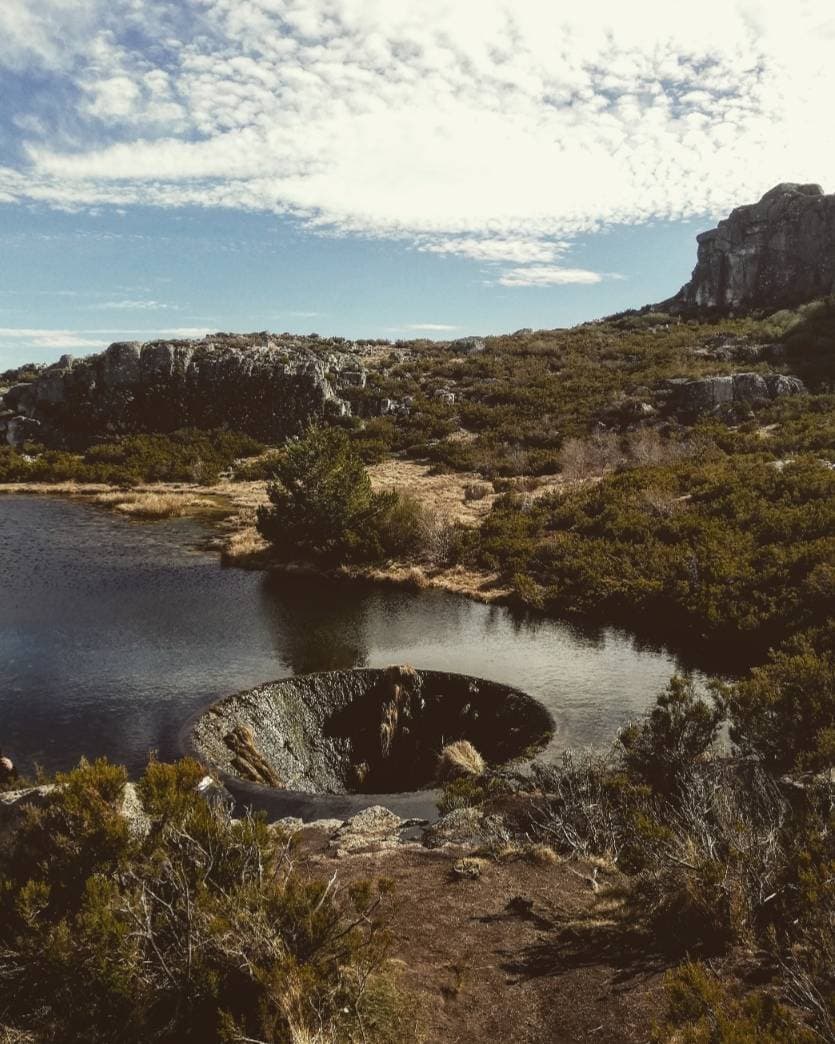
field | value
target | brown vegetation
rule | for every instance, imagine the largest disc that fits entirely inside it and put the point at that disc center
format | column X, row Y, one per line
column 459, row 759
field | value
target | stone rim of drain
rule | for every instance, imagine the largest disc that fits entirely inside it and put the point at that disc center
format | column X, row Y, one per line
column 366, row 730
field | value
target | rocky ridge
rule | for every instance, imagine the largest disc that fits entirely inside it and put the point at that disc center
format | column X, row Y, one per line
column 777, row 253
column 263, row 385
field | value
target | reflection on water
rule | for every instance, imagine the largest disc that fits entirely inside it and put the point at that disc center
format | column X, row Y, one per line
column 112, row 633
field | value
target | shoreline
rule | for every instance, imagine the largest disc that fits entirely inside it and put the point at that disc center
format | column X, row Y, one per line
column 229, row 509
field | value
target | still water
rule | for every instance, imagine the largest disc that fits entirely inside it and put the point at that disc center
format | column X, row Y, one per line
column 113, row 633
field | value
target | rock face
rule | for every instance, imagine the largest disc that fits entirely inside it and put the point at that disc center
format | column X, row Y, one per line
column 265, row 386
column 713, row 394
column 774, row 254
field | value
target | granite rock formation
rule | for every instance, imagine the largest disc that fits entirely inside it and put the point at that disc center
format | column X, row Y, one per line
column 265, row 386
column 693, row 398
column 778, row 253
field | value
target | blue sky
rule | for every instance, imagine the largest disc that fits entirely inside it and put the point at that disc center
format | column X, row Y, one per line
column 382, row 168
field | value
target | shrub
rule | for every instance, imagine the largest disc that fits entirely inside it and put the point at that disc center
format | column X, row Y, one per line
column 202, row 931
column 322, row 503
column 187, row 455
column 404, row 526
column 475, row 491
column 463, row 792
column 677, row 731
column 784, row 712
column 729, row 550
column 701, row 1010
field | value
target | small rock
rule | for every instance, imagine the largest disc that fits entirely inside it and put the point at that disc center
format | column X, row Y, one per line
column 375, row 827
column 138, row 820
column 462, row 826
column 468, row 867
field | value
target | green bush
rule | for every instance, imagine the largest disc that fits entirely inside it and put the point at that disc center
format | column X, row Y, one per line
column 678, row 730
column 784, row 712
column 734, row 550
column 322, row 503
column 701, row 1010
column 196, row 929
column 188, row 455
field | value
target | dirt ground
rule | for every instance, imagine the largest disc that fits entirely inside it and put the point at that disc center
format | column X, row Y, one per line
column 525, row 953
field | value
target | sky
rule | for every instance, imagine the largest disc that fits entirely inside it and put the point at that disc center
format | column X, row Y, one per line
column 383, row 168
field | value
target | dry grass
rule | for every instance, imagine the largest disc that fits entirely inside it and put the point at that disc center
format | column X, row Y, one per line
column 152, row 505
column 244, row 544
column 442, row 495
column 541, row 855
column 460, row 759
column 241, row 545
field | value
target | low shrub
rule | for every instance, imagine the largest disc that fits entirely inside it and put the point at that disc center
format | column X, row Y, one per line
column 200, row 929
column 679, row 729
column 463, row 792
column 784, row 712
column 702, row 1010
column 188, row 455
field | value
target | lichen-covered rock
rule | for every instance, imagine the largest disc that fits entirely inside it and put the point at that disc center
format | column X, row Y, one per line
column 462, row 826
column 375, row 827
column 468, row 345
column 705, row 394
column 131, row 808
column 777, row 253
column 13, row 804
column 780, row 384
column 750, row 387
column 712, row 394
column 265, row 386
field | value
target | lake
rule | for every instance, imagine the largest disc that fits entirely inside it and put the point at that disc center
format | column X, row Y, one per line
column 114, row 632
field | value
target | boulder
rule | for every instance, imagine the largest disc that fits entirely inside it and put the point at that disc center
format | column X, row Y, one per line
column 20, row 397
column 779, row 384
column 750, row 387
column 715, row 394
column 462, row 826
column 121, row 364
column 131, row 808
column 22, row 429
column 13, row 804
column 375, row 827
column 705, row 394
column 777, row 253
column 468, row 345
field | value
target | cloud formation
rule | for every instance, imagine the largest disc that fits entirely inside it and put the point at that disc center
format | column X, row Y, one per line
column 494, row 130
column 52, row 340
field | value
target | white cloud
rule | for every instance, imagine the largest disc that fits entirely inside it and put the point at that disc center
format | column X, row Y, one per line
column 36, row 338
column 132, row 305
column 48, row 339
column 485, row 249
column 489, row 129
column 430, row 327
column 548, row 275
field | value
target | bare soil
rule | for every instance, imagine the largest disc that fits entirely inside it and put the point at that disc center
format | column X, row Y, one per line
column 524, row 953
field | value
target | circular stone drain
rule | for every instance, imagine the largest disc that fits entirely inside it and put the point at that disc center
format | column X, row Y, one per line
column 371, row 731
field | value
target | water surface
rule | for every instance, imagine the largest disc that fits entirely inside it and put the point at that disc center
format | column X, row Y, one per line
column 113, row 633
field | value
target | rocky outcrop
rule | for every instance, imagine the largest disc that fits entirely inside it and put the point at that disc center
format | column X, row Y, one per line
column 774, row 254
column 265, row 386
column 715, row 394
